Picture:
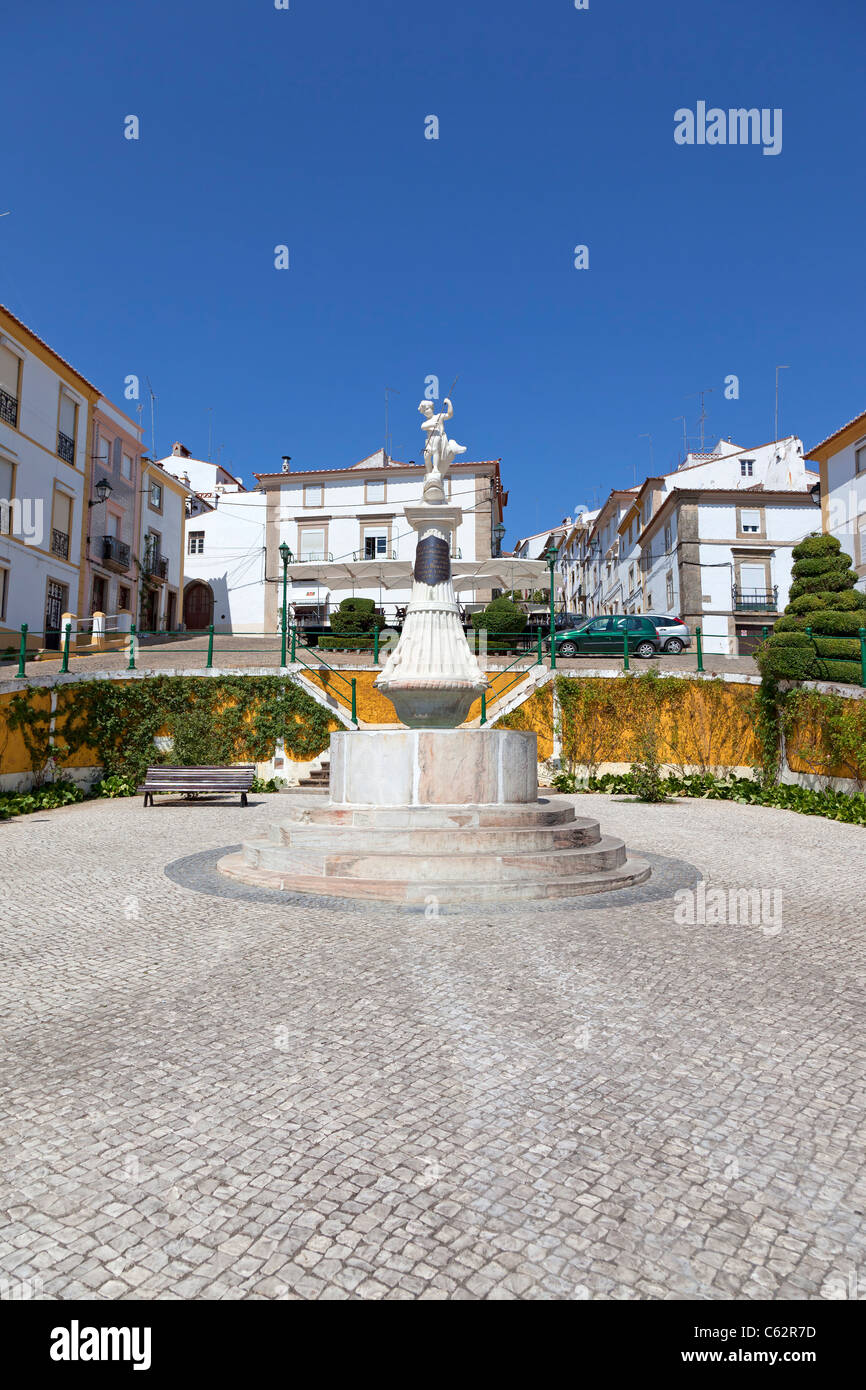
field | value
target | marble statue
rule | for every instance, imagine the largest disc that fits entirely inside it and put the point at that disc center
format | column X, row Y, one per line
column 439, row 451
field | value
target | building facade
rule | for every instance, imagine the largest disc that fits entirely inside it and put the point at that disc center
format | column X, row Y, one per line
column 46, row 410
column 110, row 558
column 162, row 532
column 709, row 543
column 842, row 462
column 352, row 515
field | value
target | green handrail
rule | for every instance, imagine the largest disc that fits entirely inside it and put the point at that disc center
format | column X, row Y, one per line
column 209, row 648
column 131, row 666
column 625, row 665
column 22, row 655
column 700, row 649
column 64, row 665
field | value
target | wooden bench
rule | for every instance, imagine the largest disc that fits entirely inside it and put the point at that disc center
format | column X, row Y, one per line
column 191, row 781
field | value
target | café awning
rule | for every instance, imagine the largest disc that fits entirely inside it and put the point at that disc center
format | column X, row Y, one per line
column 502, row 573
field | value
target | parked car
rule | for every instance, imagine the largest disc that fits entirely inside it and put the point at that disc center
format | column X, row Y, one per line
column 605, row 636
column 673, row 633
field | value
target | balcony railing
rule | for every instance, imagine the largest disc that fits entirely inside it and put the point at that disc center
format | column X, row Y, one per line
column 8, row 408
column 65, row 447
column 115, row 552
column 60, row 544
column 382, row 555
column 156, row 565
column 755, row 600
column 315, row 557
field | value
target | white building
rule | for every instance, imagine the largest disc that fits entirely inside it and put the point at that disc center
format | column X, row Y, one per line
column 345, row 526
column 161, row 547
column 842, row 461
column 45, row 431
column 224, row 559
column 710, row 543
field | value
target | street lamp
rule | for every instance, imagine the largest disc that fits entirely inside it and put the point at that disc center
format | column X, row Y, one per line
column 498, row 533
column 550, row 557
column 103, row 491
column 286, row 556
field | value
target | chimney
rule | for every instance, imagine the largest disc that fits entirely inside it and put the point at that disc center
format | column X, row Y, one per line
column 179, row 452
column 287, row 458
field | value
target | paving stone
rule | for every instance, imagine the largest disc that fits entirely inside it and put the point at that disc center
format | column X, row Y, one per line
column 211, row 1091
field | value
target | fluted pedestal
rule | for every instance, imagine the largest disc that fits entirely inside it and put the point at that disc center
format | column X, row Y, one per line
column 431, row 677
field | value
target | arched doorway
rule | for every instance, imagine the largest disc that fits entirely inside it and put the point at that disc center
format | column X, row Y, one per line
column 197, row 606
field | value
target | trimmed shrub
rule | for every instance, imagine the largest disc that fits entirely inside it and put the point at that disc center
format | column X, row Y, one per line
column 356, row 616
column 822, row 599
column 846, row 647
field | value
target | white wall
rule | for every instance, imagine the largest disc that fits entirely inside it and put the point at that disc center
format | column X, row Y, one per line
column 233, row 560
column 846, row 499
column 28, row 556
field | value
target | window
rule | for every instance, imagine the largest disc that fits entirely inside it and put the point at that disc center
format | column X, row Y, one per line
column 5, row 497
column 66, row 428
column 196, row 543
column 123, row 599
column 311, row 543
column 375, row 545
column 747, row 468
column 375, row 491
column 126, row 466
column 668, row 539
column 10, row 367
column 4, row 590
column 669, row 589
column 61, row 525
column 155, row 496
column 750, row 522
column 861, row 540
column 860, row 457
column 314, row 494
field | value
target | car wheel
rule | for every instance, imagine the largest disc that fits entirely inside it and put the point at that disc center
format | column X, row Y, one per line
column 567, row 649
column 674, row 646
column 645, row 649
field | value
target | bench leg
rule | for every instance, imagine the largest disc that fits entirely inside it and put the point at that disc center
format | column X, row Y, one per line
column 243, row 798
column 148, row 798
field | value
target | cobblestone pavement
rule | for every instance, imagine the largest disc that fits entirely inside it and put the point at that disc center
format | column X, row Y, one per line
column 216, row 1098
column 243, row 653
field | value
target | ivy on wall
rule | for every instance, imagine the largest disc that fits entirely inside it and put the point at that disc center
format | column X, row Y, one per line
column 218, row 720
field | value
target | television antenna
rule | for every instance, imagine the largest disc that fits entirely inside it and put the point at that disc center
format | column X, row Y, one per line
column 708, row 390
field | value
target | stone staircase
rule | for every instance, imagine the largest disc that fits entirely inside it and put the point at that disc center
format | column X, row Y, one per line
column 451, row 854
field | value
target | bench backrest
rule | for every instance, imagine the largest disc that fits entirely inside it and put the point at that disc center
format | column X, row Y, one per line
column 239, row 776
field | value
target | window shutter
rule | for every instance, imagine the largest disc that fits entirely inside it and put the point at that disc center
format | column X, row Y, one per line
column 118, row 449
column 67, row 415
column 8, row 371
column 62, row 506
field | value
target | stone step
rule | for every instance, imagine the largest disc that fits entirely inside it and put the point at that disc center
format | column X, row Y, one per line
column 545, row 811
column 423, row 865
column 518, row 839
column 631, row 872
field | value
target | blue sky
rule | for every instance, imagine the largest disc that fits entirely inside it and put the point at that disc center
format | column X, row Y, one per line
column 454, row 257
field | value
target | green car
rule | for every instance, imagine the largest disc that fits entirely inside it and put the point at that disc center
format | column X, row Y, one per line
column 605, row 636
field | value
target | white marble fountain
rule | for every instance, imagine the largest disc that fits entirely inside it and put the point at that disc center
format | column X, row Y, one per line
column 432, row 811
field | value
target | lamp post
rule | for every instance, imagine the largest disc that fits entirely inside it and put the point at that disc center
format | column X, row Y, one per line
column 103, row 490
column 498, row 533
column 285, row 556
column 551, row 561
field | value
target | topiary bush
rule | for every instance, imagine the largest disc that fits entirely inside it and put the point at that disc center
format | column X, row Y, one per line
column 817, row 637
column 500, row 616
column 352, row 626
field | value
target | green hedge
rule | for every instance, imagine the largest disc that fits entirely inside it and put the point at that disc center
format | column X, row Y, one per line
column 829, row 670
column 847, row 647
column 346, row 644
column 820, row 544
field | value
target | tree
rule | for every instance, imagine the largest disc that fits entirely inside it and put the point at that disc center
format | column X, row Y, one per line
column 817, row 637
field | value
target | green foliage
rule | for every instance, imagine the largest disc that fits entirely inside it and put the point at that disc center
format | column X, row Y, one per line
column 834, row 805
column 501, row 615
column 823, row 600
column 114, row 786
column 356, row 615
column 346, row 644
column 269, row 784
column 45, row 798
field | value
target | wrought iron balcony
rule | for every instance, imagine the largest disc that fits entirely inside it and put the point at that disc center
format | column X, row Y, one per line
column 115, row 553
column 8, row 408
column 156, row 566
column 755, row 600
column 65, row 447
column 60, row 544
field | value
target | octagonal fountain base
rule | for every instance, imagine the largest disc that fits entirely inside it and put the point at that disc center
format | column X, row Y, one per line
column 452, row 814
